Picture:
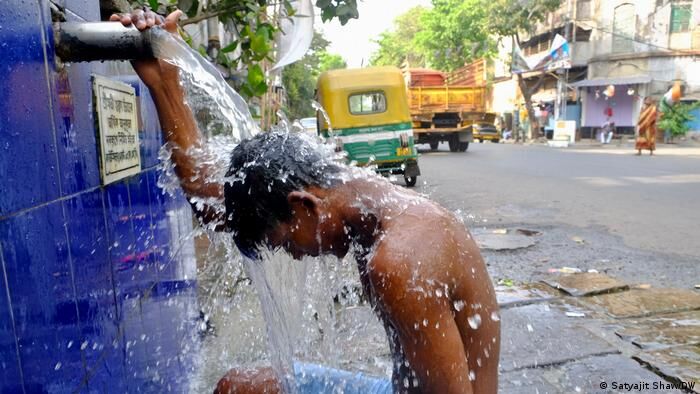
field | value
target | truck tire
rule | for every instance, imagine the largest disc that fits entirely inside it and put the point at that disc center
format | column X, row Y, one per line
column 410, row 180
column 434, row 145
column 463, row 146
column 453, row 142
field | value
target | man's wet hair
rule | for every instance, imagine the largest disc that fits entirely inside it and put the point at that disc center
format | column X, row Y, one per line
column 263, row 171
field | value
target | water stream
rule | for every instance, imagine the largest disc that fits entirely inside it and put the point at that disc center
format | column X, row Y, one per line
column 294, row 297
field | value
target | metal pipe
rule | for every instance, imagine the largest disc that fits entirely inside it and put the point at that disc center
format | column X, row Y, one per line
column 89, row 41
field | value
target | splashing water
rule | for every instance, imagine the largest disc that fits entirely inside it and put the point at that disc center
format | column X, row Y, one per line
column 296, row 299
column 474, row 321
column 319, row 108
column 218, row 108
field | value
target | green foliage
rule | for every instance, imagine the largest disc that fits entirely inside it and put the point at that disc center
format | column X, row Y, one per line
column 250, row 22
column 300, row 78
column 455, row 32
column 344, row 10
column 676, row 117
column 509, row 18
column 330, row 61
column 398, row 45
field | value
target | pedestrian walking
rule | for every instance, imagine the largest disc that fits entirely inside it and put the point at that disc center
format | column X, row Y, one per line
column 646, row 137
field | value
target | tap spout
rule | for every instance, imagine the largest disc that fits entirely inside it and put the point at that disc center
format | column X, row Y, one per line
column 90, row 41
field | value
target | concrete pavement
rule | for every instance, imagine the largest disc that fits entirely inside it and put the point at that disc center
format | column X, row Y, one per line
column 633, row 219
column 592, row 344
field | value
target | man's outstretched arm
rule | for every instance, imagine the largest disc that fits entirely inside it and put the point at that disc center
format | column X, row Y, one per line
column 426, row 328
column 176, row 119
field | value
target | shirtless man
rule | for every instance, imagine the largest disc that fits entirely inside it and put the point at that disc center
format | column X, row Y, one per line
column 418, row 264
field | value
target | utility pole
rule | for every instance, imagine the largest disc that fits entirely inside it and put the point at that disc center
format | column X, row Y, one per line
column 560, row 105
column 213, row 40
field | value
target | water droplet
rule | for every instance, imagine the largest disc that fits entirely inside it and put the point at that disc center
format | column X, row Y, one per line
column 84, row 345
column 58, row 366
column 529, row 328
column 438, row 293
column 495, row 316
column 459, row 305
column 474, row 321
column 472, row 376
column 425, row 322
column 70, row 344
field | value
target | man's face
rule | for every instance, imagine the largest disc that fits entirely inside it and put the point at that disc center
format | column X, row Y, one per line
column 299, row 236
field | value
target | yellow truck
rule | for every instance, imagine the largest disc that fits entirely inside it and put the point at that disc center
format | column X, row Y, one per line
column 442, row 112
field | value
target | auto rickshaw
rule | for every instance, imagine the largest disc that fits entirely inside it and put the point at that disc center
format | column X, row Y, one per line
column 370, row 119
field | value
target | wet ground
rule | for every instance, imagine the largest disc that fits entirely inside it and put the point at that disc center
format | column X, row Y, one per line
column 540, row 215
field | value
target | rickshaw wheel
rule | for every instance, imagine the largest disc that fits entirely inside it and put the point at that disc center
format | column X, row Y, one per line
column 410, row 180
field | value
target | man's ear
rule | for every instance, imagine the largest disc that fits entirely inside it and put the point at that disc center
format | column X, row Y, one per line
column 306, row 199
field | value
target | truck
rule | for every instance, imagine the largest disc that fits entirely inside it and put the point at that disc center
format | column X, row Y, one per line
column 444, row 112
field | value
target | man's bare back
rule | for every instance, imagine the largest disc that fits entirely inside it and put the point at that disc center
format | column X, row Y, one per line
column 427, row 282
column 430, row 286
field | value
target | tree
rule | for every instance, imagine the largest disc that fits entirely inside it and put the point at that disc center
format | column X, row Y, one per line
column 454, row 32
column 331, row 61
column 300, row 78
column 398, row 45
column 508, row 19
column 251, row 22
column 675, row 118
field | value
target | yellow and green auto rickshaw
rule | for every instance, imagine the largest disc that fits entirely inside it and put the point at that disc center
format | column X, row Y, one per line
column 370, row 119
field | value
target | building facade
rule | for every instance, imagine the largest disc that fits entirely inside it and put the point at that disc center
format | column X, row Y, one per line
column 639, row 47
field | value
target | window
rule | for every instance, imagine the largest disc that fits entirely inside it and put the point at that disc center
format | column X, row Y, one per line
column 680, row 17
column 367, row 103
column 624, row 26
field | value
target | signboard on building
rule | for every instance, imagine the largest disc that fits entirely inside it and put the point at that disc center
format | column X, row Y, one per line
column 558, row 57
column 118, row 136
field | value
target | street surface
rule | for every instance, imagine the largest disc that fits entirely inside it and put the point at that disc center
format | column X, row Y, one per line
column 637, row 216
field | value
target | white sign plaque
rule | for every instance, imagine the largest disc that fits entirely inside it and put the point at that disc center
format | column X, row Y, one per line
column 118, row 134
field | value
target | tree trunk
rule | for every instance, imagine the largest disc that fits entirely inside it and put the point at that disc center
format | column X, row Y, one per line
column 527, row 95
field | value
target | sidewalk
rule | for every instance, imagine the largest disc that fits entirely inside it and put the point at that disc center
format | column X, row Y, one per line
column 622, row 147
column 594, row 334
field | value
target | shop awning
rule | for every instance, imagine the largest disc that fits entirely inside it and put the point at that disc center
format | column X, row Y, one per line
column 631, row 80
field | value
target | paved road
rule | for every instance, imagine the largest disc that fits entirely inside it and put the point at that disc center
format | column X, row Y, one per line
column 634, row 214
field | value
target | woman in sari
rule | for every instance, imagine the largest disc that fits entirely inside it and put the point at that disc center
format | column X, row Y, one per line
column 646, row 139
